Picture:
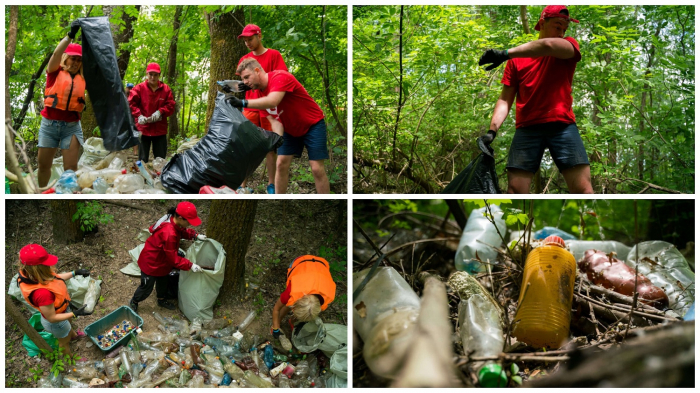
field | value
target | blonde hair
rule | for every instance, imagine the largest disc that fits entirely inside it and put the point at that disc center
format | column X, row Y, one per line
column 39, row 273
column 249, row 64
column 64, row 67
column 307, row 308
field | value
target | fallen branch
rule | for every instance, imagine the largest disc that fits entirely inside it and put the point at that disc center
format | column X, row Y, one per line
column 649, row 185
column 392, row 167
column 124, row 204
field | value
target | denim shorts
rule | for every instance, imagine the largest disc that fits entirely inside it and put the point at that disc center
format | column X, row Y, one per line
column 59, row 329
column 314, row 140
column 563, row 140
column 57, row 133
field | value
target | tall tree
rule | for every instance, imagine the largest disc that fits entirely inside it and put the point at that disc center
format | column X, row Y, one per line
column 10, row 55
column 231, row 224
column 171, row 76
column 65, row 230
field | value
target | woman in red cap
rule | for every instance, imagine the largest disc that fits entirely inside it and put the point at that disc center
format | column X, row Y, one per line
column 161, row 253
column 151, row 102
column 64, row 100
column 46, row 291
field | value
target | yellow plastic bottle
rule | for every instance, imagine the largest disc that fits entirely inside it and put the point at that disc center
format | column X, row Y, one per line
column 544, row 311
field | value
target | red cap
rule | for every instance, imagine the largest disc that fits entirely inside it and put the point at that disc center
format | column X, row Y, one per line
column 249, row 30
column 553, row 240
column 554, row 11
column 153, row 67
column 74, row 50
column 34, row 254
column 187, row 211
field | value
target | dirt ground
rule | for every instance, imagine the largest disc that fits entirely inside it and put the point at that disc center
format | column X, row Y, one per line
column 311, row 227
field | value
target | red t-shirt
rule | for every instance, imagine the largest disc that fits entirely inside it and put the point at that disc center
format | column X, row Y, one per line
column 270, row 60
column 42, row 297
column 53, row 113
column 543, row 88
column 297, row 111
column 284, row 297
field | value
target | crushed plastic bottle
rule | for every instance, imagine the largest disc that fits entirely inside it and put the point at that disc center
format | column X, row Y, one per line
column 313, row 365
column 612, row 273
column 196, row 327
column 144, row 172
column 234, row 371
column 112, row 368
column 284, row 383
column 100, row 185
column 255, row 380
column 154, row 337
column 579, row 247
column 286, row 344
column 216, row 373
column 226, row 380
column 68, row 183
column 125, row 361
column 384, row 316
column 289, row 371
column 197, row 381
column 301, row 371
column 127, row 184
column 219, row 346
column 665, row 267
column 112, row 190
column 481, row 322
column 319, row 382
column 216, row 324
column 269, row 356
column 92, row 295
column 84, row 370
column 479, row 236
column 88, row 191
column 87, row 179
column 546, row 294
column 118, row 161
column 278, row 370
column 246, row 322
column 72, row 383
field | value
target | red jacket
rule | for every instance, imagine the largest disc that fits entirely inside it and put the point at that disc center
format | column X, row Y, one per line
column 159, row 255
column 144, row 101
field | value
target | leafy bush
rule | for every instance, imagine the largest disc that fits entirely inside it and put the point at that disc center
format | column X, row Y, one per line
column 90, row 215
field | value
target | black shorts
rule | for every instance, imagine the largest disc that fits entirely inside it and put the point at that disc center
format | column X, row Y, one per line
column 563, row 141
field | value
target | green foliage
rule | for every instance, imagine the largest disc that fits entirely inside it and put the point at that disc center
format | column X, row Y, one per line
column 90, row 215
column 59, row 360
column 37, row 373
column 259, row 303
column 336, row 258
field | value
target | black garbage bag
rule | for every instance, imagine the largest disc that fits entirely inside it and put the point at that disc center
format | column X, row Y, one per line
column 479, row 177
column 232, row 150
column 104, row 84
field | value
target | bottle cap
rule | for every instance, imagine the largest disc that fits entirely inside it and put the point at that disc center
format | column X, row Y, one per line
column 554, row 240
column 492, row 376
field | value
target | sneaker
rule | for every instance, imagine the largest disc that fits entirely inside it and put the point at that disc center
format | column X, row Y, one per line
column 244, row 190
column 166, row 304
column 134, row 306
column 270, row 188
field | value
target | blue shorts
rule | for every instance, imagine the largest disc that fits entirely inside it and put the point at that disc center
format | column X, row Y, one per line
column 314, row 140
column 58, row 329
column 57, row 133
column 563, row 140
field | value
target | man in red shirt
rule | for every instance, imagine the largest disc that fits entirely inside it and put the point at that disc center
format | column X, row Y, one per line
column 151, row 102
column 540, row 74
column 270, row 60
column 302, row 118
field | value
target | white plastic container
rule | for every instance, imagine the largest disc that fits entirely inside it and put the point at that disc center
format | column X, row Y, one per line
column 87, row 178
column 479, row 236
column 127, row 184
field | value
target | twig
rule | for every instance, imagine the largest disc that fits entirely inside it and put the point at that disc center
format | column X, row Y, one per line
column 124, row 204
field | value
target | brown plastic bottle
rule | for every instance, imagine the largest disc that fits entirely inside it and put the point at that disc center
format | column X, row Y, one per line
column 544, row 306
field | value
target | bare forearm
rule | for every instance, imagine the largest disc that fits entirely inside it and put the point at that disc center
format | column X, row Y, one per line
column 500, row 112
column 55, row 60
column 276, row 314
column 262, row 103
column 556, row 47
column 60, row 317
column 65, row 276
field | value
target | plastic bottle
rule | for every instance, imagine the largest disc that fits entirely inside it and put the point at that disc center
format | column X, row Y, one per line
column 88, row 191
column 250, row 364
column 481, row 322
column 579, row 247
column 87, row 179
column 216, row 373
column 256, row 381
column 127, row 184
column 68, row 183
column 552, row 231
column 666, row 267
column 152, row 337
column 280, row 358
column 246, row 322
column 125, row 361
column 384, row 316
column 226, row 380
column 284, row 383
column 196, row 326
column 690, row 315
column 112, row 190
column 158, row 164
column 478, row 237
column 286, row 344
column 84, row 370
column 234, row 371
column 546, row 294
column 118, row 161
column 277, row 370
column 93, row 292
column 302, row 369
column 196, row 382
column 319, row 382
column 269, row 356
column 612, row 273
column 313, row 365
column 72, row 383
column 215, row 324
column 288, row 371
column 219, row 346
column 147, row 176
column 100, row 185
column 112, row 368
column 115, row 352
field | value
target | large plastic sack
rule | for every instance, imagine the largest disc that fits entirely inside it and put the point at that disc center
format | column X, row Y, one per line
column 93, row 152
column 231, row 151
column 77, row 288
column 198, row 291
column 28, row 344
column 339, row 369
column 666, row 268
column 479, row 236
column 479, row 177
column 104, row 84
column 316, row 335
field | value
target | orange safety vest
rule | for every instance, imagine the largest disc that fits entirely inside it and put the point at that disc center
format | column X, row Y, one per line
column 310, row 275
column 57, row 286
column 68, row 93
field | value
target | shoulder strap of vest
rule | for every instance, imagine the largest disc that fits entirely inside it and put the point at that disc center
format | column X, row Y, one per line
column 305, row 260
column 24, row 280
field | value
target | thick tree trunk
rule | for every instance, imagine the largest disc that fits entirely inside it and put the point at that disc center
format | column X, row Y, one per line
column 226, row 50
column 22, row 323
column 10, row 55
column 65, row 230
column 231, row 224
column 171, row 76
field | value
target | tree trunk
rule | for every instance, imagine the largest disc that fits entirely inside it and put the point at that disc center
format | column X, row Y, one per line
column 22, row 323
column 121, row 35
column 171, row 76
column 326, row 80
column 9, row 56
column 523, row 18
column 226, row 50
column 231, row 224
column 30, row 92
column 65, row 230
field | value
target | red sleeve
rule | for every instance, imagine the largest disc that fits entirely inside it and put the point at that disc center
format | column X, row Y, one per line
column 573, row 42
column 279, row 63
column 284, row 297
column 171, row 243
column 169, row 107
column 135, row 102
column 51, row 77
column 510, row 74
column 190, row 234
column 42, row 297
column 281, row 82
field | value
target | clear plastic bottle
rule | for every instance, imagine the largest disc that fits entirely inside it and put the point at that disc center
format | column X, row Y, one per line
column 579, row 247
column 196, row 327
column 87, row 179
column 158, row 164
column 100, row 185
column 234, row 371
column 118, row 161
column 215, row 324
column 246, row 322
column 219, row 346
column 384, row 316
column 127, row 184
column 479, row 236
column 286, row 344
column 68, row 183
column 256, row 381
column 216, row 373
column 319, row 382
column 125, row 361
column 83, row 370
column 144, row 172
column 481, row 322
column 313, row 364
column 302, row 370
column 112, row 190
column 284, row 383
column 666, row 268
column 546, row 294
column 72, row 383
column 196, row 382
column 112, row 368
column 93, row 293
column 88, row 191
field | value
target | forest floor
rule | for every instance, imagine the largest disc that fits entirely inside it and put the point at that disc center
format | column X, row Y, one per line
column 311, row 227
column 603, row 348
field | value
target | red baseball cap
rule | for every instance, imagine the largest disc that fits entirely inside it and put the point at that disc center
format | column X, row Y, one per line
column 249, row 30
column 189, row 212
column 74, row 50
column 554, row 11
column 153, row 67
column 34, row 254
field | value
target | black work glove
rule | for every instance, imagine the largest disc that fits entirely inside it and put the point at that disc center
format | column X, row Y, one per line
column 488, row 138
column 226, row 89
column 81, row 272
column 79, row 311
column 237, row 103
column 243, row 87
column 180, row 254
column 494, row 57
column 276, row 333
column 74, row 27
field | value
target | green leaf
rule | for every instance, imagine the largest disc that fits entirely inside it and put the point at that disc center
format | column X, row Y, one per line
column 517, row 379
